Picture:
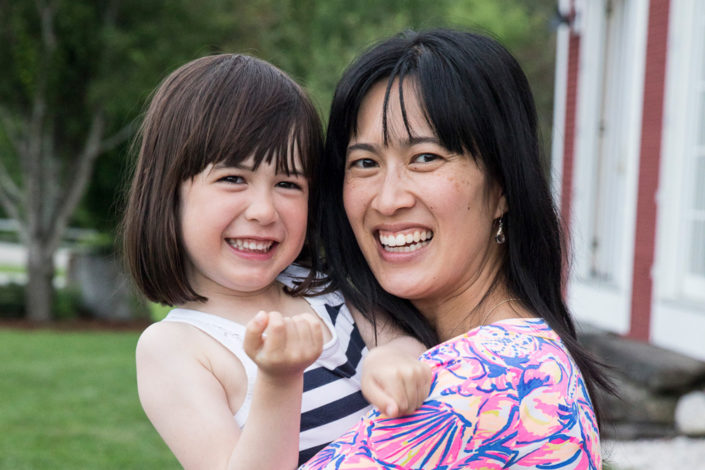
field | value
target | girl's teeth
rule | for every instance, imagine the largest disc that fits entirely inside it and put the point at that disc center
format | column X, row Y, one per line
column 251, row 245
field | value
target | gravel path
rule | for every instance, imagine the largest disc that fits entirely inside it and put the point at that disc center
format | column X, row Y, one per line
column 655, row 454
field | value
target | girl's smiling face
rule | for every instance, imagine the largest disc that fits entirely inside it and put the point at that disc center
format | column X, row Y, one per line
column 241, row 227
column 422, row 215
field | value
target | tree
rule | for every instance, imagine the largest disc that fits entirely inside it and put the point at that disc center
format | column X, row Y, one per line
column 75, row 75
column 314, row 40
column 73, row 71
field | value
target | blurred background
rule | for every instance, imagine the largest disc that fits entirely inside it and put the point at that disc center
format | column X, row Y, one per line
column 620, row 91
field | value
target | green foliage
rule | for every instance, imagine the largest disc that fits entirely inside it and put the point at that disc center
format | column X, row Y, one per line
column 316, row 41
column 103, row 56
column 12, row 301
column 119, row 65
column 67, row 304
column 70, row 401
column 157, row 312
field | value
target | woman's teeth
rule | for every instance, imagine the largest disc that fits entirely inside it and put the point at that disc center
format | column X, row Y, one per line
column 251, row 245
column 405, row 242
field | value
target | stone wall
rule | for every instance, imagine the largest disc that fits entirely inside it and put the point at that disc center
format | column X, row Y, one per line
column 652, row 383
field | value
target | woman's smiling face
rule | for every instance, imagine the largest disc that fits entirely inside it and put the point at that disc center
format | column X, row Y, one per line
column 422, row 215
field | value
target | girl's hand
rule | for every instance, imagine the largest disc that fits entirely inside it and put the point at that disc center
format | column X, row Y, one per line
column 283, row 346
column 394, row 380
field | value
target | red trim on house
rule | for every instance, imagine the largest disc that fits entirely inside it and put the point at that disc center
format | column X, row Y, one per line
column 651, row 133
column 571, row 105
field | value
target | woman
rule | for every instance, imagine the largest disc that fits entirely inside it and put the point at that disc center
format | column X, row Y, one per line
column 445, row 220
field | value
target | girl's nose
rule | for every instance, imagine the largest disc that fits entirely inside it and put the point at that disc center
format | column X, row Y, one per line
column 261, row 208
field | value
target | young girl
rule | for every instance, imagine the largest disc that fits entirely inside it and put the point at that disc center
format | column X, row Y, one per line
column 217, row 213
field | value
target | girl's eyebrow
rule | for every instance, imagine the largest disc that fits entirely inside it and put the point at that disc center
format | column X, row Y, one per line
column 223, row 165
column 239, row 166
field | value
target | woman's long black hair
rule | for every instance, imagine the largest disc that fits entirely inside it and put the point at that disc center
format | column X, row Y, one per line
column 477, row 100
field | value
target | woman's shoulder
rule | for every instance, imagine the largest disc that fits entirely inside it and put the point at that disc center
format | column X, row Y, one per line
column 517, row 369
column 506, row 348
column 505, row 337
column 516, row 328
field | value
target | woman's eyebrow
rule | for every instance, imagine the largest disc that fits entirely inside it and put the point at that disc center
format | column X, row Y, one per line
column 411, row 141
column 362, row 146
column 414, row 140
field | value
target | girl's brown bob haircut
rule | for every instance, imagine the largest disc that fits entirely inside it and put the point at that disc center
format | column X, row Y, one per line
column 217, row 109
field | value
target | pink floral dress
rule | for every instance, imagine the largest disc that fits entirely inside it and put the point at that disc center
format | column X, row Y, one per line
column 505, row 395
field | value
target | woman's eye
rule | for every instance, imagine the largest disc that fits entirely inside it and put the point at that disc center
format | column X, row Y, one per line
column 363, row 163
column 425, row 158
column 234, row 179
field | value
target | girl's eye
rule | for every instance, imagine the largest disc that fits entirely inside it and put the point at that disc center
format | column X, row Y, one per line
column 363, row 163
column 289, row 185
column 234, row 179
column 425, row 158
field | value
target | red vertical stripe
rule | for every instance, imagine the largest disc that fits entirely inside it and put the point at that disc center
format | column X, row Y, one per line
column 651, row 134
column 571, row 103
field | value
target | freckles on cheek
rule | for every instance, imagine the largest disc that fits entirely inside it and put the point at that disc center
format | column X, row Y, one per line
column 352, row 194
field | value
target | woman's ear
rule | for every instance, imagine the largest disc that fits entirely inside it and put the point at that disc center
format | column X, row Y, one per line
column 501, row 208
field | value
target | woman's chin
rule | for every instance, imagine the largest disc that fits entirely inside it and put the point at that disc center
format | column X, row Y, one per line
column 404, row 287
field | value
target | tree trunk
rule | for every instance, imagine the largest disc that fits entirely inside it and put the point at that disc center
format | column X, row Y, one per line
column 39, row 289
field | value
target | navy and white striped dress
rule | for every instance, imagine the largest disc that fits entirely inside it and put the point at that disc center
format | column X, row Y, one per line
column 332, row 401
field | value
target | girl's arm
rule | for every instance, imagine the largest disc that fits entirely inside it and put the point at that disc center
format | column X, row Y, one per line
column 282, row 348
column 393, row 379
column 187, row 382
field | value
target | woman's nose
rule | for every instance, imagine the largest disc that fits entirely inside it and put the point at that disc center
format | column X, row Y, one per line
column 393, row 194
column 261, row 208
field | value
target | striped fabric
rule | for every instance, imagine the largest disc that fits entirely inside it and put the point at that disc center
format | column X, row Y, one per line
column 332, row 401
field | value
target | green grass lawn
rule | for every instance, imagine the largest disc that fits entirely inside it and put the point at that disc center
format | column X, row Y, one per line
column 68, row 400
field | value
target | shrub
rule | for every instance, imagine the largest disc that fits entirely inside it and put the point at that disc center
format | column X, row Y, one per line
column 66, row 303
column 12, row 301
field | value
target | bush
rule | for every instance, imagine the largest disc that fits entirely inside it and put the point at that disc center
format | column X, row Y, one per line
column 12, row 302
column 65, row 305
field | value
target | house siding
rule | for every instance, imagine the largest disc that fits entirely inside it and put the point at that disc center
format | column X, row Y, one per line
column 571, row 105
column 649, row 164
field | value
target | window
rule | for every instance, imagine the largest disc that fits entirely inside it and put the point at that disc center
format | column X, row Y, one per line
column 680, row 270
column 694, row 210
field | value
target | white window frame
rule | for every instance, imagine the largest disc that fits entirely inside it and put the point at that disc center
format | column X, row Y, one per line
column 678, row 311
column 686, row 43
column 606, row 304
column 694, row 285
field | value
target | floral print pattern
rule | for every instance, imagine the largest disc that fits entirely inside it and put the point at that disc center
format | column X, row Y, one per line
column 505, row 395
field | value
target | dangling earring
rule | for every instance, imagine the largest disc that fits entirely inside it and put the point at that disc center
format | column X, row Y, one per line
column 499, row 237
